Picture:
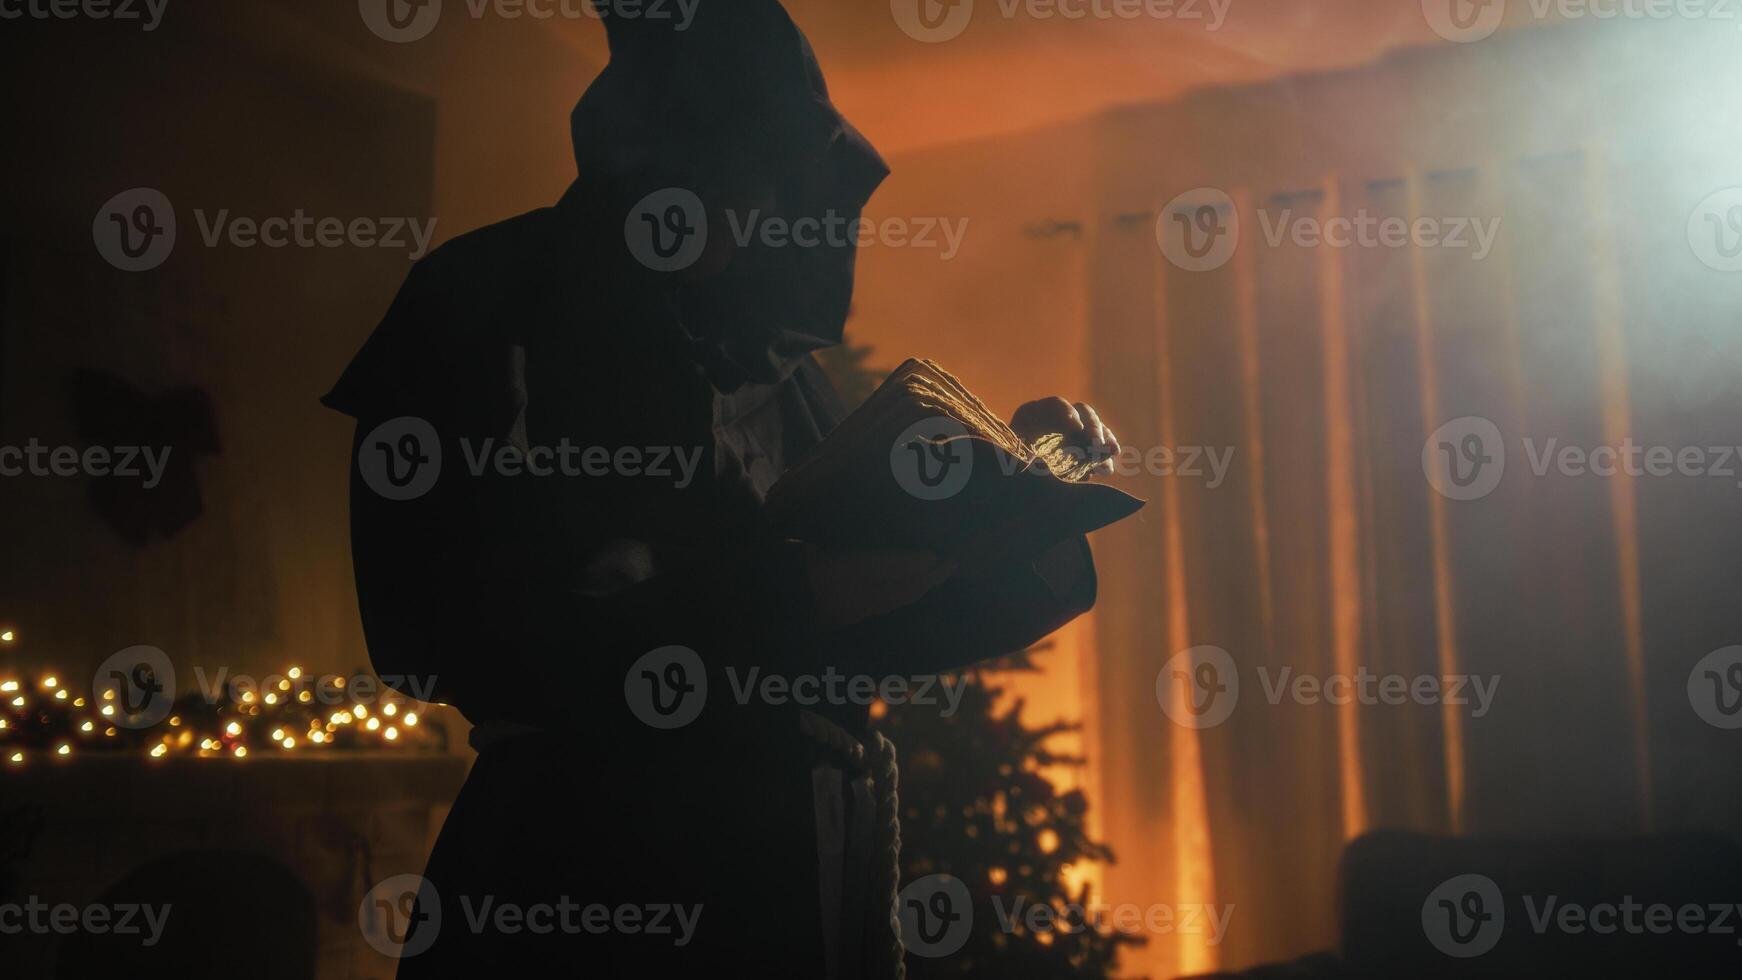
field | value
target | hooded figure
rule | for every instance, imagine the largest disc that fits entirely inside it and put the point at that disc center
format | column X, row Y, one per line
column 561, row 456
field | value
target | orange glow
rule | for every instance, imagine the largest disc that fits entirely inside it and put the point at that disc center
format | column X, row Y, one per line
column 1194, row 868
column 1343, row 536
column 1617, row 426
column 1445, row 627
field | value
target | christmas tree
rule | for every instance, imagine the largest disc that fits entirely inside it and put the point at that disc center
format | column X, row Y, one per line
column 976, row 805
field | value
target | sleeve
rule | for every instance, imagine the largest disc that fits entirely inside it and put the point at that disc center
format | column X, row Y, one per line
column 966, row 621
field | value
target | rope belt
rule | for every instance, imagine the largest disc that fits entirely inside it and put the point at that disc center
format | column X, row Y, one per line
column 879, row 757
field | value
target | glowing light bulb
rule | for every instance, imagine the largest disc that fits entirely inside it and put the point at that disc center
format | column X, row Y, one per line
column 17, row 758
column 278, row 734
column 289, row 743
column 18, row 702
column 60, row 695
column 241, row 751
column 64, row 749
column 372, row 724
column 305, row 696
column 7, row 636
column 51, row 682
column 247, row 697
column 411, row 719
column 271, row 698
column 233, row 729
column 87, row 727
column 391, row 733
column 361, row 711
column 78, row 702
column 294, row 673
column 175, row 721
column 390, row 709
column 109, row 695
column 9, row 686
column 159, row 751
column 107, row 712
column 317, row 736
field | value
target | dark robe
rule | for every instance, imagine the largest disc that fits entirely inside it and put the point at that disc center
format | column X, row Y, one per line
column 525, row 600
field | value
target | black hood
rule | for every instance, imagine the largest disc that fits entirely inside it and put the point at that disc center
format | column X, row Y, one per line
column 732, row 108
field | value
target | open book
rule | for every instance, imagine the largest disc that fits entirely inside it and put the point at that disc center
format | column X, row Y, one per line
column 924, row 464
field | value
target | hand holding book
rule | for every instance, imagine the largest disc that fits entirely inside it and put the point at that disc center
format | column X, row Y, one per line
column 923, row 484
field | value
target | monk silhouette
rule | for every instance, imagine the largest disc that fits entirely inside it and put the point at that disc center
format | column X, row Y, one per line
column 631, row 813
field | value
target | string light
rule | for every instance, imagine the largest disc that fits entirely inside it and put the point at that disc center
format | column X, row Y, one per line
column 234, row 726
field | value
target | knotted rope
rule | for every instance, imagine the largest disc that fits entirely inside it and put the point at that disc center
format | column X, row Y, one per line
column 886, row 785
